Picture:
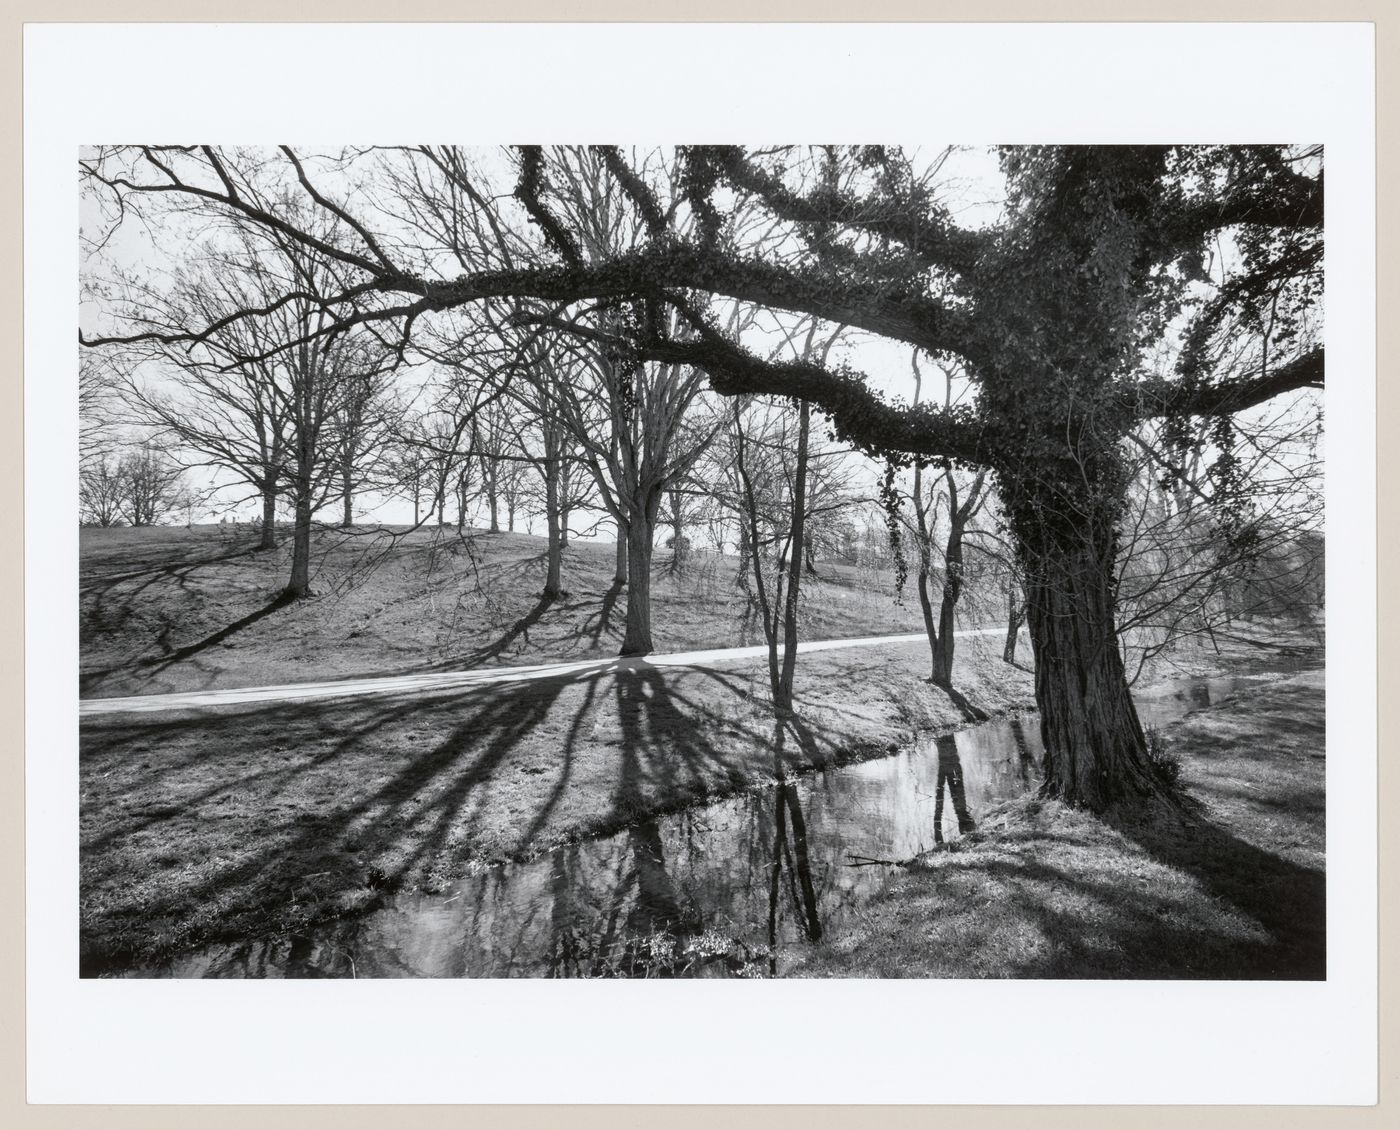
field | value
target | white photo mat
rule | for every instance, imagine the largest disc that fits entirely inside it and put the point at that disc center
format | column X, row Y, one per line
column 100, row 1041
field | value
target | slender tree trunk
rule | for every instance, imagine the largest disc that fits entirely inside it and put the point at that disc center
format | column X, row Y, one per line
column 636, row 639
column 678, row 548
column 300, row 583
column 554, row 552
column 494, row 503
column 269, row 519
column 347, row 493
column 782, row 697
column 741, row 576
column 938, row 629
column 800, row 860
column 944, row 641
column 809, row 556
column 926, row 606
column 804, row 866
column 757, row 589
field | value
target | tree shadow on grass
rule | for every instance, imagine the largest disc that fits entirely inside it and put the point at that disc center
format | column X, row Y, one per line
column 600, row 624
column 518, row 632
column 358, row 808
column 1287, row 899
column 100, row 583
column 108, row 602
column 154, row 665
column 270, row 818
column 969, row 711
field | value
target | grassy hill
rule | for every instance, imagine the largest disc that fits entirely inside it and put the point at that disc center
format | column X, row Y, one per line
column 175, row 609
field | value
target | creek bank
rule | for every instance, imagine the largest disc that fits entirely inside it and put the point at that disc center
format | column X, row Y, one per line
column 255, row 824
column 249, row 822
column 1236, row 891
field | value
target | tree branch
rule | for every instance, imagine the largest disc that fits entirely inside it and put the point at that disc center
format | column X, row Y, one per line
column 1160, row 397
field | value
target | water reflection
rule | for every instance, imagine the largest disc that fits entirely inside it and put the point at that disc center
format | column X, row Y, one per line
column 950, row 778
column 722, row 890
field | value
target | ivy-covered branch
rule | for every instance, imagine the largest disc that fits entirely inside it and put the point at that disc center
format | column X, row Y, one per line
column 915, row 223
column 859, row 415
column 1160, row 398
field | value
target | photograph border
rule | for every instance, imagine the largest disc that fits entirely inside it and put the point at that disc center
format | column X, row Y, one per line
column 11, row 608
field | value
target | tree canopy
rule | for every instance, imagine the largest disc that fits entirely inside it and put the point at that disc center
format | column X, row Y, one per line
column 1120, row 284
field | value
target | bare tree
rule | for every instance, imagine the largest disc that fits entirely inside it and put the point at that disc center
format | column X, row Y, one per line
column 150, row 485
column 1051, row 309
column 1210, row 536
column 101, row 490
column 960, row 498
column 362, row 423
column 772, row 540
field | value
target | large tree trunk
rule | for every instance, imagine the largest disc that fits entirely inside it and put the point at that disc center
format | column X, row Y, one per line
column 269, row 519
column 1095, row 751
column 636, row 639
column 620, row 569
column 950, row 774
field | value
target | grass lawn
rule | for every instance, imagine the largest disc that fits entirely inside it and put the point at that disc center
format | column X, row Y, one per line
column 249, row 821
column 1235, row 891
column 257, row 820
column 167, row 608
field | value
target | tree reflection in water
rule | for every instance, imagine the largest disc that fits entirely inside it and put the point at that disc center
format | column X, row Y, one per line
column 1029, row 773
column 790, row 854
column 950, row 774
column 630, row 917
column 714, row 890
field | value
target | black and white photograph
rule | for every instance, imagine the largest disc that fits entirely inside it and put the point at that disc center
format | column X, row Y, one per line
column 579, row 563
column 703, row 561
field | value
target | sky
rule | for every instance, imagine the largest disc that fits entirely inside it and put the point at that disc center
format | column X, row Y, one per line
column 970, row 184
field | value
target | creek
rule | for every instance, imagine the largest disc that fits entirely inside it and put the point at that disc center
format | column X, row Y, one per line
column 729, row 888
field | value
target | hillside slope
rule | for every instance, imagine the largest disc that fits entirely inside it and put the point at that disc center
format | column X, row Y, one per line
column 172, row 609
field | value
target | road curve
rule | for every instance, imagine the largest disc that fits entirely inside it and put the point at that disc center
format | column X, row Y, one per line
column 464, row 680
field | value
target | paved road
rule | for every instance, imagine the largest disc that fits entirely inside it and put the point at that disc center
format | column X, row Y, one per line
column 464, row 680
